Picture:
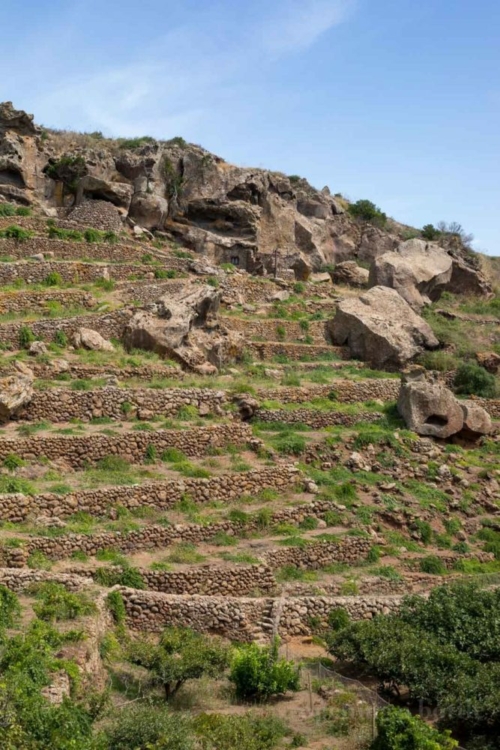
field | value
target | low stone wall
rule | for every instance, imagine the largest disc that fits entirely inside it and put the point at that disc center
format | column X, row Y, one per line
column 78, row 371
column 110, row 325
column 315, row 419
column 35, row 272
column 209, row 580
column 80, row 451
column 240, row 288
column 119, row 403
column 266, row 350
column 349, row 550
column 276, row 329
column 26, row 301
column 147, row 292
column 63, row 249
column 245, row 619
column 160, row 495
column 19, row 580
column 343, row 391
column 491, row 405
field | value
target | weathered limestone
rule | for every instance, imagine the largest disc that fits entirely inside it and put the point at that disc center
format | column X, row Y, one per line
column 16, row 390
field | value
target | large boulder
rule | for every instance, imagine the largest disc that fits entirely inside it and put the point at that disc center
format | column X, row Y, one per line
column 380, row 328
column 16, row 391
column 418, row 270
column 86, row 338
column 468, row 280
column 181, row 325
column 428, row 408
column 431, row 409
column 348, row 272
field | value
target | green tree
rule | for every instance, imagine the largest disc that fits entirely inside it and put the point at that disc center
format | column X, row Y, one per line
column 429, row 232
column 181, row 655
column 258, row 672
column 473, row 380
column 368, row 211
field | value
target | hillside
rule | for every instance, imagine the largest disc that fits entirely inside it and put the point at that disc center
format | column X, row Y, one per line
column 238, row 405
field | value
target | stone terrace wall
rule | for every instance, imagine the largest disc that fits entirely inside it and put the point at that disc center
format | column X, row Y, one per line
column 244, row 288
column 119, row 403
column 244, row 619
column 35, row 272
column 345, row 391
column 491, row 405
column 110, row 325
column 77, row 370
column 19, row 580
column 80, row 451
column 146, row 292
column 348, row 550
column 67, row 250
column 26, row 301
column 315, row 419
column 160, row 495
column 206, row 579
column 266, row 350
column 269, row 329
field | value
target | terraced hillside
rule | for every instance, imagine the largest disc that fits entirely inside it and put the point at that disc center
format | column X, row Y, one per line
column 247, row 494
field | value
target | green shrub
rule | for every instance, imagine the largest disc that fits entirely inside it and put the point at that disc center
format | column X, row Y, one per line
column 473, row 380
column 433, row 565
column 7, row 209
column 299, row 287
column 368, row 211
column 338, row 618
column 60, row 338
column 57, row 603
column 135, row 143
column 258, row 673
column 12, row 461
column 146, row 726
column 10, row 609
column 53, row 279
column 15, row 232
column 280, row 333
column 245, row 732
column 291, row 445
column 26, row 337
column 397, row 729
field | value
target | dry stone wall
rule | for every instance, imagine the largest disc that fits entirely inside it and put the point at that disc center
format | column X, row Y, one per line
column 64, row 250
column 71, row 272
column 110, row 325
column 26, row 301
column 19, row 580
column 266, row 350
column 119, row 403
column 349, row 550
column 77, row 370
column 244, row 619
column 344, row 391
column 314, row 418
column 277, row 329
column 86, row 450
column 161, row 495
column 147, row 292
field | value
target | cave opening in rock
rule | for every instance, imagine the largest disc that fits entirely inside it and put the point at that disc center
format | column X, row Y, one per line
column 435, row 420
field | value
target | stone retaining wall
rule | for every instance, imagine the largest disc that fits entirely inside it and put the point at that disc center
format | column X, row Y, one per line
column 110, row 325
column 80, row 451
column 78, row 371
column 343, row 391
column 160, row 495
column 315, row 419
column 119, row 403
column 270, row 329
column 491, row 405
column 349, row 550
column 29, row 302
column 35, row 272
column 19, row 580
column 244, row 619
column 146, row 292
column 210, row 580
column 67, row 250
column 266, row 350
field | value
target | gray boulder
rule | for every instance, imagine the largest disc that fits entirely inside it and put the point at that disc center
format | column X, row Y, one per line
column 418, row 270
column 86, row 338
column 431, row 409
column 350, row 273
column 380, row 328
column 16, row 391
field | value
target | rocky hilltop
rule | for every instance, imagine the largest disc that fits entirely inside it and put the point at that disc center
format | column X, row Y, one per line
column 259, row 220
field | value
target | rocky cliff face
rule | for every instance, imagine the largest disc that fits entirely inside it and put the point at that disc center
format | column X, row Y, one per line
column 259, row 220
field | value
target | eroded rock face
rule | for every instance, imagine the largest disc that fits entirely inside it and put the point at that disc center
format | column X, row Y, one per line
column 466, row 279
column 418, row 270
column 348, row 272
column 16, row 391
column 431, row 409
column 86, row 338
column 183, row 326
column 380, row 328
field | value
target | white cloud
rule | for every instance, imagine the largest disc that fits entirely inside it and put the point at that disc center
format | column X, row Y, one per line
column 299, row 23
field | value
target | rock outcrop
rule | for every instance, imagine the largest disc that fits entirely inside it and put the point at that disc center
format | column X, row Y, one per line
column 183, row 326
column 418, row 270
column 380, row 328
column 431, row 409
column 16, row 391
column 348, row 272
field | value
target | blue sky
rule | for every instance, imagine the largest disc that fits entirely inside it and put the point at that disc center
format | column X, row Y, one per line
column 397, row 101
